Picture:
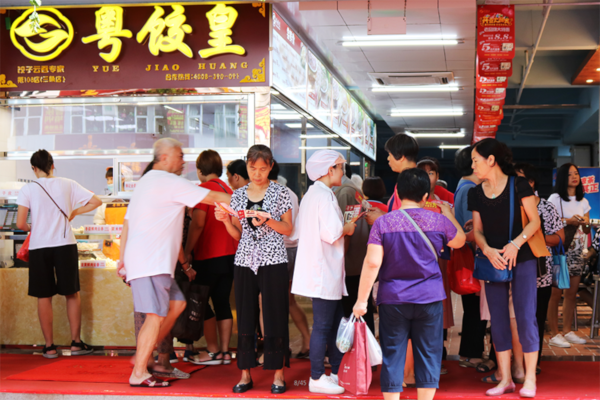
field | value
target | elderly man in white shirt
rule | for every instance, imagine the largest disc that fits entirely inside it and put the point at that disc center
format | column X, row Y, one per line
column 151, row 245
column 319, row 272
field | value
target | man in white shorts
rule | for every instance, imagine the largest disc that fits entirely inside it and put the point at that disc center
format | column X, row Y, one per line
column 151, row 246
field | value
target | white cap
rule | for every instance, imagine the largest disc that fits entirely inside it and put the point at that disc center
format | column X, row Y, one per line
column 319, row 163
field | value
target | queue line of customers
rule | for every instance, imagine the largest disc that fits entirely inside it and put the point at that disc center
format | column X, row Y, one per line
column 261, row 263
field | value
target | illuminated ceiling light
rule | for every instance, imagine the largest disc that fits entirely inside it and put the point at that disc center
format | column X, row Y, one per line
column 278, row 107
column 324, row 148
column 286, row 116
column 274, row 92
column 453, row 146
column 400, row 37
column 318, row 136
column 589, row 81
column 390, row 43
column 449, row 88
column 427, row 113
column 598, row 69
column 354, row 163
column 298, row 126
column 424, row 134
column 174, row 109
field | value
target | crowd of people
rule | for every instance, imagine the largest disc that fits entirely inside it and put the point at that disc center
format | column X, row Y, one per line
column 253, row 234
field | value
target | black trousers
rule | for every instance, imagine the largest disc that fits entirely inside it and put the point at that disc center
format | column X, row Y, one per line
column 473, row 328
column 543, row 297
column 352, row 283
column 272, row 282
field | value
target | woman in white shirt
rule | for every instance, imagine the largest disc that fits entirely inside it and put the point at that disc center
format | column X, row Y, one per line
column 53, row 260
column 574, row 210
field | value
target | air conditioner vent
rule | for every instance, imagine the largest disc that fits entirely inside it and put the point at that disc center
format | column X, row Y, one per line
column 411, row 78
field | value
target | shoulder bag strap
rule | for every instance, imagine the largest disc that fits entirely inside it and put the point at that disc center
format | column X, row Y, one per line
column 222, row 187
column 418, row 228
column 512, row 207
column 465, row 184
column 57, row 206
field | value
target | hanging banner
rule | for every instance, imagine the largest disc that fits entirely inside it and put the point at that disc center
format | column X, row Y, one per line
column 151, row 47
column 486, row 109
column 496, row 32
column 491, row 93
column 494, row 68
column 491, row 81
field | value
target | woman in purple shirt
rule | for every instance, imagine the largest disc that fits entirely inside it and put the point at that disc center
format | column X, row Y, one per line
column 404, row 247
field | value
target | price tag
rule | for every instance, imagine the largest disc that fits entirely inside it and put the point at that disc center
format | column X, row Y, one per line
column 92, row 264
column 103, row 229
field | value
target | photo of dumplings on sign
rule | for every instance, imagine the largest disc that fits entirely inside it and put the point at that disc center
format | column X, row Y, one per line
column 242, row 213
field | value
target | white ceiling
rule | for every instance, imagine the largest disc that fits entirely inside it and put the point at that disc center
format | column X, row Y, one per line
column 327, row 27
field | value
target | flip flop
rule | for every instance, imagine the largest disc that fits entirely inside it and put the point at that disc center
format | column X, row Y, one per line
column 492, row 379
column 151, row 383
column 175, row 374
column 482, row 367
column 467, row 363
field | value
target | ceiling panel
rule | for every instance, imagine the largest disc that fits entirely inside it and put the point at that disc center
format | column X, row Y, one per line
column 334, row 33
column 409, row 66
column 323, row 18
column 462, row 15
column 456, row 65
column 460, row 54
column 354, row 17
column 460, row 31
column 422, row 16
column 394, row 54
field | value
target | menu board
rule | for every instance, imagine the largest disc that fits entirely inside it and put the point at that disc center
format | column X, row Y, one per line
column 289, row 62
column 300, row 75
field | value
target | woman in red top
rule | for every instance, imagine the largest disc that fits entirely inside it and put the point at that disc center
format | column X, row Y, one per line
column 213, row 255
column 431, row 166
column 374, row 191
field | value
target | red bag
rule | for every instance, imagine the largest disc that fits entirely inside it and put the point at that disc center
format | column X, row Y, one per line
column 355, row 370
column 460, row 271
column 23, row 253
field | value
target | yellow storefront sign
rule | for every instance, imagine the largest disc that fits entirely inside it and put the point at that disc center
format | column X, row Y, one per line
column 221, row 19
column 173, row 40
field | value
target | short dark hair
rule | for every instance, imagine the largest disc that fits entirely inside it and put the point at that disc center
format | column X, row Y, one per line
column 274, row 171
column 348, row 172
column 402, row 145
column 259, row 152
column 500, row 151
column 430, row 162
column 374, row 188
column 463, row 161
column 413, row 184
column 530, row 172
column 238, row 167
column 209, row 162
column 42, row 160
column 109, row 173
column 562, row 183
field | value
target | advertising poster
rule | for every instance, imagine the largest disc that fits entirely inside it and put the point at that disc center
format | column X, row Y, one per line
column 496, row 32
column 590, row 178
column 53, row 121
column 262, row 122
column 494, row 67
column 289, row 62
column 341, row 108
column 176, row 119
column 491, row 93
column 491, row 82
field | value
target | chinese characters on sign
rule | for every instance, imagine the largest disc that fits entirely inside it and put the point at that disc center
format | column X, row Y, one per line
column 109, row 28
column 589, row 184
column 114, row 47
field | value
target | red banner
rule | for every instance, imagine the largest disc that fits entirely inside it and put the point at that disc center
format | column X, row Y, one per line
column 491, row 93
column 491, row 81
column 496, row 32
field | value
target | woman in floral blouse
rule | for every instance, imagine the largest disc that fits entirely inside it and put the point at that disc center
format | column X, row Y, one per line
column 261, row 267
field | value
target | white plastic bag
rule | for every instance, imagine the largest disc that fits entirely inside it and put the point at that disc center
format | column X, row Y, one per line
column 375, row 355
column 345, row 334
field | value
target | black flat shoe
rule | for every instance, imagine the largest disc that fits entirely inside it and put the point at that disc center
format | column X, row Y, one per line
column 243, row 388
column 275, row 389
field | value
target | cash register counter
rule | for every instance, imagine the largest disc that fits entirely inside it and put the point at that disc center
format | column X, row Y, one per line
column 106, row 304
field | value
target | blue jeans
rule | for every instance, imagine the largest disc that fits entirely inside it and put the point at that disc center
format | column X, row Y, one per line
column 424, row 324
column 327, row 315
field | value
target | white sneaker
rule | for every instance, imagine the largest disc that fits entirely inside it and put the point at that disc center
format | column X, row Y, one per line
column 559, row 341
column 325, row 385
column 334, row 379
column 571, row 337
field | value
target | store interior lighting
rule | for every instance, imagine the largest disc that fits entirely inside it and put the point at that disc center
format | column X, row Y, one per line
column 174, row 109
column 415, row 89
column 324, row 148
column 330, row 136
column 286, row 116
column 427, row 113
column 394, row 43
column 299, row 125
column 425, row 134
column 453, row 146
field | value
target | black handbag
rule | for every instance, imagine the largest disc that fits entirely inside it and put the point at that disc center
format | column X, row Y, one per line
column 570, row 230
column 484, row 269
column 190, row 323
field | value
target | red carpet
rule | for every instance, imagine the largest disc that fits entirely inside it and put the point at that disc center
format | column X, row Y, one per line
column 559, row 380
column 89, row 369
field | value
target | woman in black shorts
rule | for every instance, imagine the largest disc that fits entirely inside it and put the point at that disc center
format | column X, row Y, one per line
column 53, row 260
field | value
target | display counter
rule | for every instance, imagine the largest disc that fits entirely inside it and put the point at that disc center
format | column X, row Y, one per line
column 106, row 304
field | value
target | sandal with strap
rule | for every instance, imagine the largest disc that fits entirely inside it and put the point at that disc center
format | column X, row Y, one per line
column 85, row 349
column 213, row 360
column 226, row 361
column 52, row 347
